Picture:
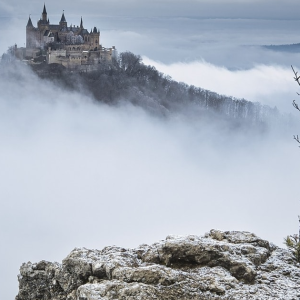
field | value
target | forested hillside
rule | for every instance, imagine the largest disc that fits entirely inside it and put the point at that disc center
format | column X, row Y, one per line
column 129, row 79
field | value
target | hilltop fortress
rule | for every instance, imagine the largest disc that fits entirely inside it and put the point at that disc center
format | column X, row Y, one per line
column 74, row 47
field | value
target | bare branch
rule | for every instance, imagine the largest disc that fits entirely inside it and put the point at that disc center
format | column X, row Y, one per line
column 296, row 105
column 297, row 78
column 297, row 139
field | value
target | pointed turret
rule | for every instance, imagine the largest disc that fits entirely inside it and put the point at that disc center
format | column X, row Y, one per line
column 29, row 23
column 63, row 18
column 81, row 24
column 30, row 34
column 63, row 21
column 95, row 30
column 44, row 14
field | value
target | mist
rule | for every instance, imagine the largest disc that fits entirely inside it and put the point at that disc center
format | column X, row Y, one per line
column 270, row 85
column 77, row 173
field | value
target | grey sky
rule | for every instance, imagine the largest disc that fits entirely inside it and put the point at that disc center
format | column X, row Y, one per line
column 266, row 9
column 171, row 31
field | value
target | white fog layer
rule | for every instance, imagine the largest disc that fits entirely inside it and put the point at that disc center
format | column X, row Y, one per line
column 78, row 173
column 270, row 85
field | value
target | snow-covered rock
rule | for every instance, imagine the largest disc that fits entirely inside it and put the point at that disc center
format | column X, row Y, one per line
column 219, row 265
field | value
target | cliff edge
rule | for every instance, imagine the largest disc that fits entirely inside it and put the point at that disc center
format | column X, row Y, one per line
column 219, row 265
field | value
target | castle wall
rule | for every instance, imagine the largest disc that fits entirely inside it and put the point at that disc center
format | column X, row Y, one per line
column 32, row 38
column 31, row 53
column 56, row 56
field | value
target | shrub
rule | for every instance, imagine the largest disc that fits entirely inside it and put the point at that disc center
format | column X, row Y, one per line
column 293, row 243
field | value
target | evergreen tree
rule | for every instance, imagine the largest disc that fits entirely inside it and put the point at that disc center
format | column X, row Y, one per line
column 293, row 243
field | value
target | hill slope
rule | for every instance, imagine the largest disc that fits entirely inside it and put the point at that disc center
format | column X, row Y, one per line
column 130, row 80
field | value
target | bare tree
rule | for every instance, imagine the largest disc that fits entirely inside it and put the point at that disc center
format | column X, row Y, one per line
column 297, row 79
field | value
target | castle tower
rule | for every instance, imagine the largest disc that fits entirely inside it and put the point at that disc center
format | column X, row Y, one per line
column 63, row 21
column 29, row 23
column 81, row 24
column 95, row 39
column 44, row 14
column 43, row 22
column 30, row 34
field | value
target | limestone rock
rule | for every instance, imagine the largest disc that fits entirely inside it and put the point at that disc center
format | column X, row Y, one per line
column 219, row 265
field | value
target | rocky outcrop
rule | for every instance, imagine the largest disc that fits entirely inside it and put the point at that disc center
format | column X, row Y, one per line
column 220, row 265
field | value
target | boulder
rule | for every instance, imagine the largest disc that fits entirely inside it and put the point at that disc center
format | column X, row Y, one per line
column 218, row 265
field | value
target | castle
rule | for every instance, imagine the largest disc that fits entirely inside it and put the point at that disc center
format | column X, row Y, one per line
column 73, row 47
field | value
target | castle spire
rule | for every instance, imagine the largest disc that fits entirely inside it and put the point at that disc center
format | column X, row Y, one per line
column 29, row 23
column 44, row 14
column 81, row 23
column 44, row 10
column 63, row 19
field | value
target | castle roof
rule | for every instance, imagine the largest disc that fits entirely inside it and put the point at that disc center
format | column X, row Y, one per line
column 63, row 19
column 48, row 33
column 44, row 10
column 74, row 29
column 54, row 27
column 95, row 30
column 29, row 23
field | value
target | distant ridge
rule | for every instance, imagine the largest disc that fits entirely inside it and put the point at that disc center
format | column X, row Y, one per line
column 292, row 48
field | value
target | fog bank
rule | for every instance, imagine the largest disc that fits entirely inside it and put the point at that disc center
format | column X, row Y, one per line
column 271, row 85
column 78, row 173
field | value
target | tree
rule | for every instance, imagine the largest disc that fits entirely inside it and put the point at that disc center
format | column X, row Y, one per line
column 293, row 243
column 297, row 79
column 129, row 62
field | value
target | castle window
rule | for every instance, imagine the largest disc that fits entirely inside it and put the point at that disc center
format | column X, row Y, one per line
column 96, row 41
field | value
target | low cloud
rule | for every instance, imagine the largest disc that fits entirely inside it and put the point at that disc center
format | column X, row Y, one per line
column 270, row 85
column 78, row 173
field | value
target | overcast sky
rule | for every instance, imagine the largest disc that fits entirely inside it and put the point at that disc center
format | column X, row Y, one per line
column 78, row 174
column 172, row 31
column 266, row 9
